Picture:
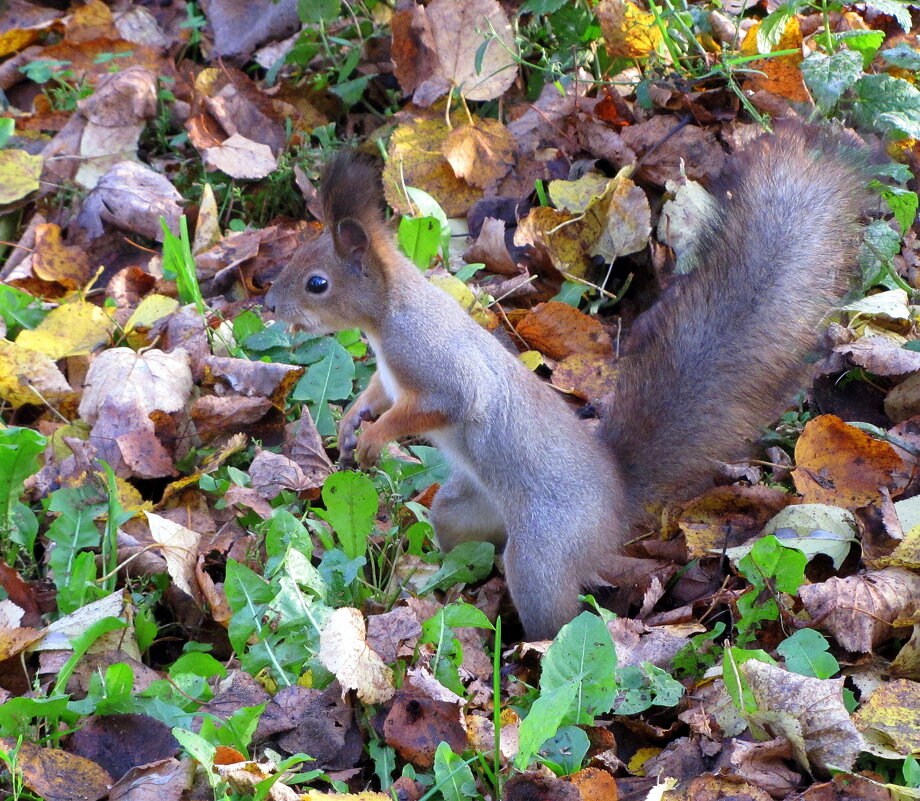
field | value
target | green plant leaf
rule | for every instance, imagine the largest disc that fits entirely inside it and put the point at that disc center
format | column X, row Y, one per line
column 19, row 450
column 420, row 239
column 247, row 594
column 468, row 562
column 806, row 652
column 828, row 77
column 351, row 508
column 330, row 378
column 543, row 720
column 564, row 752
column 735, row 683
column 313, row 12
column 888, row 105
column 771, row 28
column 903, row 204
column 893, row 8
column 583, row 652
column 452, row 775
column 866, row 43
column 769, row 559
column 902, row 55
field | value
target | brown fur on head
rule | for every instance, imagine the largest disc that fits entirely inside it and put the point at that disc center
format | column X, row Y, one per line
column 336, row 280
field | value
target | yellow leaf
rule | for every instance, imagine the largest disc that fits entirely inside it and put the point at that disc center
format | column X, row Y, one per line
column 19, row 174
column 532, row 359
column 69, row 330
column 460, row 292
column 21, row 369
column 628, row 31
column 149, row 310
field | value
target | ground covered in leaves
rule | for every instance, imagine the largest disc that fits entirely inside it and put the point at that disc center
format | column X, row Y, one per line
column 196, row 603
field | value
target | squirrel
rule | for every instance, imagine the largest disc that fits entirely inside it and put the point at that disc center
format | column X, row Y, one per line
column 726, row 350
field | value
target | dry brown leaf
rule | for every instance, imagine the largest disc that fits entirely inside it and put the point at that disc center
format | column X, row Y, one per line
column 760, row 764
column 808, row 712
column 255, row 379
column 781, row 74
column 156, row 380
column 625, row 218
column 839, row 465
column 56, row 775
column 564, row 237
column 132, row 197
column 240, row 157
column 54, row 261
column 882, row 355
column 480, row 152
column 560, row 330
column 859, row 610
column 344, row 651
column 590, row 376
column 889, row 721
column 728, row 516
column 594, row 784
column 436, row 49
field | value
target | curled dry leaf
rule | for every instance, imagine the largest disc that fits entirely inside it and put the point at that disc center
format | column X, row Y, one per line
column 179, row 547
column 156, row 380
column 888, row 720
column 859, row 610
column 625, row 217
column 808, row 712
column 840, row 465
column 272, row 473
column 439, row 46
column 761, row 764
column 882, row 355
column 344, row 651
column 132, row 197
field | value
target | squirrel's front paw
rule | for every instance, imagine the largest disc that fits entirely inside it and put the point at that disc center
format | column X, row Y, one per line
column 348, row 433
column 369, row 447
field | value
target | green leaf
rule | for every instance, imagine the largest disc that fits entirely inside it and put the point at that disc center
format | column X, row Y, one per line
column 806, row 653
column 452, row 775
column 543, row 721
column 768, row 559
column 351, row 508
column 828, row 77
column 541, row 6
column 866, row 43
column 735, row 684
column 888, row 105
column 582, row 652
column 420, row 239
column 19, row 450
column 565, row 752
column 201, row 751
column 880, row 245
column 81, row 644
column 771, row 28
column 468, row 562
column 314, row 12
column 902, row 55
column 7, row 126
column 903, row 204
column 350, row 91
column 893, row 8
column 247, row 594
column 331, row 378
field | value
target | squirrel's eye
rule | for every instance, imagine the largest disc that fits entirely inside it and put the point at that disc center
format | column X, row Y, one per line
column 317, row 284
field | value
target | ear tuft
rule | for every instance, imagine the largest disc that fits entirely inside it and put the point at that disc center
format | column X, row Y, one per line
column 350, row 187
column 351, row 240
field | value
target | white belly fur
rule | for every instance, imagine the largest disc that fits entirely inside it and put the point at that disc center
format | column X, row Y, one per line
column 390, row 384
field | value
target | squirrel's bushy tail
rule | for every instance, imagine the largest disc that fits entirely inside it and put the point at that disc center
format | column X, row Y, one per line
column 729, row 345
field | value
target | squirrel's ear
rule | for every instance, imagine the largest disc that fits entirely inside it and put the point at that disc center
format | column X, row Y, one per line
column 351, row 240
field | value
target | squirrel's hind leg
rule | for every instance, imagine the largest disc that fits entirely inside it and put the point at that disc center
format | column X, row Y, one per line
column 462, row 512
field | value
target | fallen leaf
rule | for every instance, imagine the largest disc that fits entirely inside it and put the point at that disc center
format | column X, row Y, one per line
column 559, row 330
column 344, row 652
column 480, row 152
column 839, row 465
column 240, row 157
column 628, row 31
column 179, row 547
column 19, row 174
column 859, row 610
column 808, row 712
column 72, row 329
column 157, row 381
column 888, row 720
column 27, row 376
column 56, row 775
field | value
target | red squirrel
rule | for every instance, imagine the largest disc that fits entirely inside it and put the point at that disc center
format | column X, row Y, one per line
column 726, row 351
